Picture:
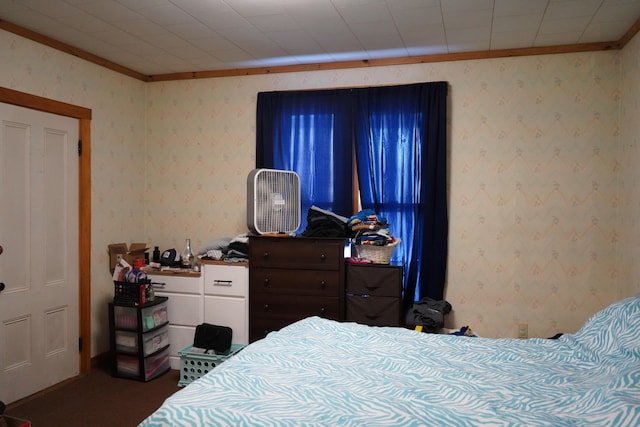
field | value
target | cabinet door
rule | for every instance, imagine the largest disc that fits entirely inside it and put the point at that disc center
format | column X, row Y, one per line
column 183, row 309
column 228, row 311
column 180, row 337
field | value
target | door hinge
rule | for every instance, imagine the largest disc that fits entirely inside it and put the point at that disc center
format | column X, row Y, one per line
column 79, row 344
column 79, row 147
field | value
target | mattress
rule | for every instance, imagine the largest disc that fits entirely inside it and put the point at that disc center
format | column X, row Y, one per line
column 319, row 372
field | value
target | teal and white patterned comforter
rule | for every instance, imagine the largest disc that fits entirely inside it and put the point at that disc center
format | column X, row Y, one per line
column 318, row 372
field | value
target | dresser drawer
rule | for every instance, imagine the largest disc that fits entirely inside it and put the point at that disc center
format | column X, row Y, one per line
column 297, row 253
column 294, row 307
column 299, row 282
column 226, row 280
column 174, row 283
column 261, row 326
column 378, row 280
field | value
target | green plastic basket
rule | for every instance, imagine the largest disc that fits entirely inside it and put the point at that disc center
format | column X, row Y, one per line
column 195, row 365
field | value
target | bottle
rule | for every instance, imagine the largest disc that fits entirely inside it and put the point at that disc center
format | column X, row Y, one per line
column 187, row 256
column 156, row 254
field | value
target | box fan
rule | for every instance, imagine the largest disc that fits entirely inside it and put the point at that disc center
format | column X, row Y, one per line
column 273, row 201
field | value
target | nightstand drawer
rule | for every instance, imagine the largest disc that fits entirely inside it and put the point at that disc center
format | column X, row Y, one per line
column 380, row 280
column 374, row 311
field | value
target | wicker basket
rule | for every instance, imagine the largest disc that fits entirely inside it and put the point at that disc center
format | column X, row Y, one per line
column 377, row 254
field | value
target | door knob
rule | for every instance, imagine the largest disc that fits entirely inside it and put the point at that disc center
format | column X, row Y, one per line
column 1, row 286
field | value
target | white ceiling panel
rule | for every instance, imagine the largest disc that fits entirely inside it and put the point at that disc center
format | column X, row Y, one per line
column 168, row 36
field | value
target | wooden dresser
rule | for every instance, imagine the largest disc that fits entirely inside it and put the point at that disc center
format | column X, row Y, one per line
column 291, row 278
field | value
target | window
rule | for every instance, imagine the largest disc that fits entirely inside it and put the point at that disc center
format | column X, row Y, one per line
column 398, row 135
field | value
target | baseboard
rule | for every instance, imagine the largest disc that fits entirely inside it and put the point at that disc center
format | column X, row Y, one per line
column 102, row 360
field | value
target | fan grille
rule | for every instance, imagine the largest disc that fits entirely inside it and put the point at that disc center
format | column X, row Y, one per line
column 273, row 201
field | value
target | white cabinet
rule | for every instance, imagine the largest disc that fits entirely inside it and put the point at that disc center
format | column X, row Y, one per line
column 184, row 307
column 219, row 295
column 226, row 290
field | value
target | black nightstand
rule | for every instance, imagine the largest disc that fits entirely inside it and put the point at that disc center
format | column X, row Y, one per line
column 374, row 294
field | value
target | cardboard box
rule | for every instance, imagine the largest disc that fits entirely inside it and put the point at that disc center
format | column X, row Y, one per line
column 129, row 254
column 8, row 421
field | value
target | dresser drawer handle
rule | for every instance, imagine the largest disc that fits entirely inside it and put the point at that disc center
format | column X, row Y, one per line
column 266, row 307
column 323, row 257
column 323, row 284
column 265, row 255
column 322, row 310
column 266, row 282
column 222, row 282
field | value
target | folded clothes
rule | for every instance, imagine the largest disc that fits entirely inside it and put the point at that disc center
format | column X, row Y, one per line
column 367, row 228
column 324, row 223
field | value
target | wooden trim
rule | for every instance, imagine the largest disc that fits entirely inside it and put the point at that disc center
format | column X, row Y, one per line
column 63, row 47
column 84, row 243
column 424, row 59
column 445, row 57
column 22, row 99
column 629, row 34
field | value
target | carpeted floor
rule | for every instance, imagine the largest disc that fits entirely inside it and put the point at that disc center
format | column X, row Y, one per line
column 96, row 400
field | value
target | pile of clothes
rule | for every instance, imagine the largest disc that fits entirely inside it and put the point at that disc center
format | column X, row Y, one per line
column 324, row 223
column 227, row 249
column 367, row 228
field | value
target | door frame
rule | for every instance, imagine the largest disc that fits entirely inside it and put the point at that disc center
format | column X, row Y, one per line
column 22, row 99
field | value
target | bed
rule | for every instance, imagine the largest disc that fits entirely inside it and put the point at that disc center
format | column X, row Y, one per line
column 319, row 372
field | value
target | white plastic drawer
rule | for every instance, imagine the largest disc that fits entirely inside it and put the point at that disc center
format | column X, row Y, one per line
column 176, row 284
column 152, row 341
column 226, row 280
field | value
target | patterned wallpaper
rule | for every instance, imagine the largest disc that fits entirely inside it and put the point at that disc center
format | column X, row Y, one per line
column 533, row 177
column 628, row 250
column 543, row 210
column 118, row 136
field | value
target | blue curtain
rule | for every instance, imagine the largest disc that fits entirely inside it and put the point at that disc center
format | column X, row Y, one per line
column 310, row 133
column 399, row 137
column 400, row 146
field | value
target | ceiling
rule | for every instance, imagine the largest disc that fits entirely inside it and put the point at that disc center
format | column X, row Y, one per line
column 159, row 37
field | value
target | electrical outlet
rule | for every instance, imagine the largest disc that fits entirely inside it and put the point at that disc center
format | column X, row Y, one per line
column 523, row 330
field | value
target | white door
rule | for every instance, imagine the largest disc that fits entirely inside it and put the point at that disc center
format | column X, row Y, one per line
column 39, row 303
